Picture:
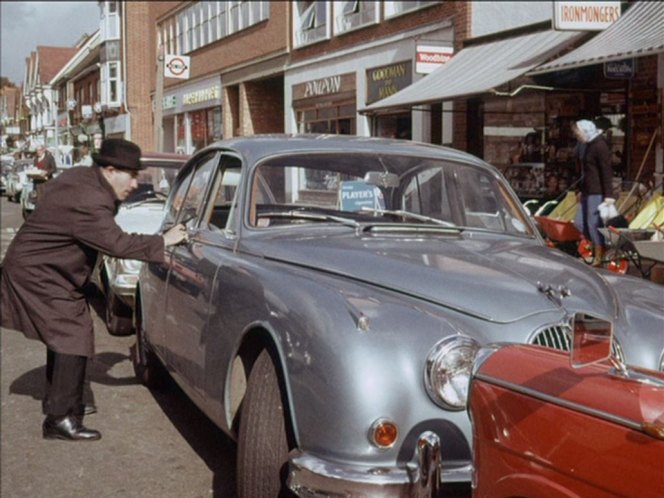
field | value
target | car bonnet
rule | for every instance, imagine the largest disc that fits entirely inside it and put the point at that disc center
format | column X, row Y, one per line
column 497, row 281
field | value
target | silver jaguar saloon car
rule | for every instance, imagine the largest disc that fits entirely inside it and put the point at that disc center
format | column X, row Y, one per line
column 331, row 297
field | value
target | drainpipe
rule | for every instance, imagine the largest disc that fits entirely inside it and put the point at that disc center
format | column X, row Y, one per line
column 124, row 70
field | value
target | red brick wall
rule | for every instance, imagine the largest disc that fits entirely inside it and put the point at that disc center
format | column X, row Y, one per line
column 264, row 106
column 141, row 71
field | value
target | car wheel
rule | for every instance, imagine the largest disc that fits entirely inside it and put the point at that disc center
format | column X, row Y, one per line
column 262, row 459
column 147, row 367
column 118, row 316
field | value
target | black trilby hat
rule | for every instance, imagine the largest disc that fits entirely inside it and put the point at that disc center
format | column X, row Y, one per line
column 119, row 153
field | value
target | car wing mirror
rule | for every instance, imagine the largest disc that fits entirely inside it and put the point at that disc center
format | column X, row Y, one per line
column 591, row 340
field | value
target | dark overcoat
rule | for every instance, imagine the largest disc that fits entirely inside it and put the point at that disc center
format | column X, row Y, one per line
column 53, row 255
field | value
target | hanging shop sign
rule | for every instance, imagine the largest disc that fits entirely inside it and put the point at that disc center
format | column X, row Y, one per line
column 387, row 80
column 177, row 66
column 429, row 57
column 585, row 16
column 622, row 70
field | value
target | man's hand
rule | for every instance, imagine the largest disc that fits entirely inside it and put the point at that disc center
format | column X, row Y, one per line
column 609, row 200
column 175, row 235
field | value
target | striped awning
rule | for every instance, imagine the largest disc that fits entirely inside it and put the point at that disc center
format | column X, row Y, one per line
column 479, row 69
column 638, row 32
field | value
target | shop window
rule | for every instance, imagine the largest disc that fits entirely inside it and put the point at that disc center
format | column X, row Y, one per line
column 350, row 15
column 333, row 119
column 394, row 9
column 110, row 21
column 310, row 22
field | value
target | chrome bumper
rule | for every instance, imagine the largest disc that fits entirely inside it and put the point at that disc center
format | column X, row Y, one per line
column 311, row 477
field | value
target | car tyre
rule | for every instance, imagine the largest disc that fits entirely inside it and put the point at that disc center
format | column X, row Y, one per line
column 118, row 316
column 262, row 459
column 147, row 367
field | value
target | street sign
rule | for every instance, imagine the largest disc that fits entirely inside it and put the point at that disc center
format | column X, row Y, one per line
column 177, row 66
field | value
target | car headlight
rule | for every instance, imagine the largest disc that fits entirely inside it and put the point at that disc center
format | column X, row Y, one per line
column 448, row 370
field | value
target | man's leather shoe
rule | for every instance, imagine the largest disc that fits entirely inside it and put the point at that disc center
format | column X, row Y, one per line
column 68, row 428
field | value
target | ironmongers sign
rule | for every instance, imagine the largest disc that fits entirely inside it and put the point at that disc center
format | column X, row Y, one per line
column 384, row 81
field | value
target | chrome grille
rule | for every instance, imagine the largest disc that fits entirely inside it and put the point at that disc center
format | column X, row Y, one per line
column 560, row 337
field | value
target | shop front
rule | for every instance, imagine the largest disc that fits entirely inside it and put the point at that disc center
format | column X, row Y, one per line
column 324, row 93
column 326, row 105
column 382, row 82
column 192, row 116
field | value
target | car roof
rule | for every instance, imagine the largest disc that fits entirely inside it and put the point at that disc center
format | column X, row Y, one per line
column 256, row 147
column 163, row 159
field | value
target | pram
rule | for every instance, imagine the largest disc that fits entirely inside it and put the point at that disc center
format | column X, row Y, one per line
column 641, row 244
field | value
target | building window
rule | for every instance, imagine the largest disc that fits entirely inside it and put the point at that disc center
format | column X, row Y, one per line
column 350, row 15
column 333, row 118
column 235, row 16
column 393, row 9
column 203, row 23
column 110, row 21
column 310, row 22
column 111, row 84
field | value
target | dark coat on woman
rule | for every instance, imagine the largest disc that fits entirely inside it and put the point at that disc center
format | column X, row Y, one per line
column 597, row 172
column 53, row 255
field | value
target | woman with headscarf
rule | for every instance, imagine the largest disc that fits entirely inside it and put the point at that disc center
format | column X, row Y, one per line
column 596, row 185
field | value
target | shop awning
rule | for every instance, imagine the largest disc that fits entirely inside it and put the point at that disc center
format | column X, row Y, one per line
column 479, row 69
column 638, row 32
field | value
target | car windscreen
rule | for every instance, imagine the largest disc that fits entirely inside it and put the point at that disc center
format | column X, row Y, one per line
column 387, row 189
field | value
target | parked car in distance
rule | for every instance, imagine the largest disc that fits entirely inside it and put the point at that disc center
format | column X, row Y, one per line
column 548, row 424
column 16, row 179
column 6, row 166
column 141, row 212
column 331, row 297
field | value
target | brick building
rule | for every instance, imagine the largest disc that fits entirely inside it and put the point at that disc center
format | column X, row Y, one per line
column 39, row 96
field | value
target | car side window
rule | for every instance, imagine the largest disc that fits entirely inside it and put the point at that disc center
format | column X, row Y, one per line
column 187, row 201
column 225, row 193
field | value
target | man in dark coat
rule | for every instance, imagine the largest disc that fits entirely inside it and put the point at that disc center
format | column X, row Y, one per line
column 52, row 258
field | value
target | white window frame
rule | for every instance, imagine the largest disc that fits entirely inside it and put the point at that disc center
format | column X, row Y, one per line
column 360, row 14
column 188, row 25
column 395, row 9
column 308, row 28
column 110, row 21
column 106, row 83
